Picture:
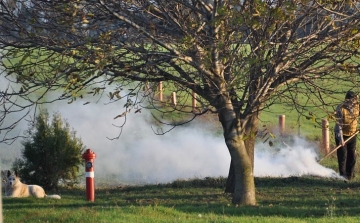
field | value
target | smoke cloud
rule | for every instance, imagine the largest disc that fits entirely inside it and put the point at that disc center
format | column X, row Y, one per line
column 298, row 159
column 140, row 156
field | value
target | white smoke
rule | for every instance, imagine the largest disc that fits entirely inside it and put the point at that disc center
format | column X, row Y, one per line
column 298, row 159
column 188, row 151
column 141, row 156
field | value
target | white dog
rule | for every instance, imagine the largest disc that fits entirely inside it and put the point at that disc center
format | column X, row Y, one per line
column 14, row 188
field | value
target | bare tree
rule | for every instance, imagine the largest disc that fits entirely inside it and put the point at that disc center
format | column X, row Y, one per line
column 8, row 107
column 239, row 57
column 16, row 104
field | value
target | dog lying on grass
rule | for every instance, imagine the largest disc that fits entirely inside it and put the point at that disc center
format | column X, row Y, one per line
column 14, row 188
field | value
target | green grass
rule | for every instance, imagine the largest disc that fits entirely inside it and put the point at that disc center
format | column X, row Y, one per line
column 293, row 199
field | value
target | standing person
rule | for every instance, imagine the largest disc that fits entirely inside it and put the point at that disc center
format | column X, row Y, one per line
column 347, row 114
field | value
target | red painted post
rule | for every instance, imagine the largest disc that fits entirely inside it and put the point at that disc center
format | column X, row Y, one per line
column 282, row 124
column 325, row 136
column 89, row 157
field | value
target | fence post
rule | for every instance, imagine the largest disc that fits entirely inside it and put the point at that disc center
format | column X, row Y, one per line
column 193, row 101
column 325, row 136
column 160, row 91
column 282, row 124
column 173, row 98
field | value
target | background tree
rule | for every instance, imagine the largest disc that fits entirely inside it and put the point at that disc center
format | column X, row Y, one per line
column 52, row 153
column 239, row 57
column 9, row 113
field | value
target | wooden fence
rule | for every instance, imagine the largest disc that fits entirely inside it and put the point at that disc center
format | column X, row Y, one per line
column 325, row 142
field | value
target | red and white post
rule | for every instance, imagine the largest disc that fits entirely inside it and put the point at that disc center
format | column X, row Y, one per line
column 89, row 157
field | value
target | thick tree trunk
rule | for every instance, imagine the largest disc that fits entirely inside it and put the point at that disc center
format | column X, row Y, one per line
column 250, row 145
column 240, row 138
column 230, row 181
column 244, row 188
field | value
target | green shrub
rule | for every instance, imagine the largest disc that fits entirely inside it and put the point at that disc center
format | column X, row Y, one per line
column 51, row 154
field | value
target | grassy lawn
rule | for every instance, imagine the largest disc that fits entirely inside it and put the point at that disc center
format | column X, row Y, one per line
column 293, row 199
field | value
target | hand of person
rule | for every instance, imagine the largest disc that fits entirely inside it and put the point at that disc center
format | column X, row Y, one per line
column 342, row 143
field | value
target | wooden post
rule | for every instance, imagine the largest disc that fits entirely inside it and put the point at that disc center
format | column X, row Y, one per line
column 325, row 136
column 173, row 98
column 282, row 124
column 160, row 91
column 193, row 101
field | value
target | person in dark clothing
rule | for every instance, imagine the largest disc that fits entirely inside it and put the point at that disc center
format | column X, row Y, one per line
column 347, row 114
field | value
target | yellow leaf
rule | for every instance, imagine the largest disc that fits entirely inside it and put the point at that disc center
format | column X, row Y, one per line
column 122, row 115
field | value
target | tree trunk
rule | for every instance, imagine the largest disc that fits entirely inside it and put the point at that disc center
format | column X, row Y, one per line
column 230, row 182
column 240, row 139
column 244, row 190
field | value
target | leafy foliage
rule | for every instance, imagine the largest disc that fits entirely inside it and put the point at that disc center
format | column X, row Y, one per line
column 51, row 154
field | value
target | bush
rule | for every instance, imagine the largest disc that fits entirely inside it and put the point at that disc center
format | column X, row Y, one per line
column 51, row 154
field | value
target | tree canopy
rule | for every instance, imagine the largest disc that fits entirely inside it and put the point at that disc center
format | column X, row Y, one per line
column 239, row 57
